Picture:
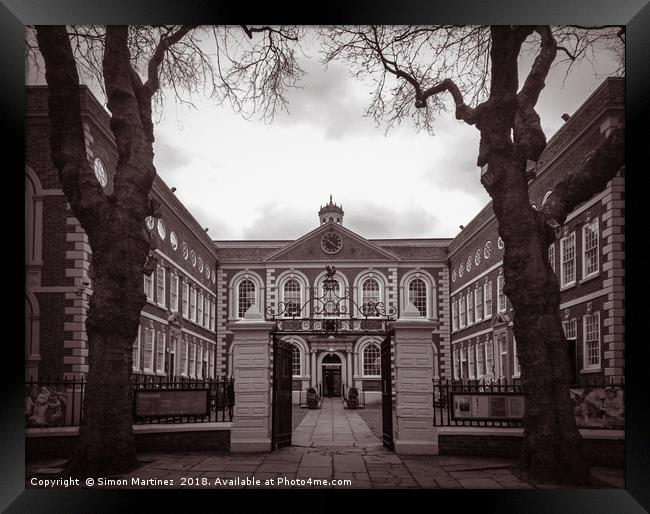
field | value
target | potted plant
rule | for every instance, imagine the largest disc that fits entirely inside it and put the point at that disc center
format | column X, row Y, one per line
column 353, row 398
column 312, row 398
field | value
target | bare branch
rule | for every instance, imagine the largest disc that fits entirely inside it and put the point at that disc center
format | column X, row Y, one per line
column 529, row 93
column 590, row 178
column 153, row 80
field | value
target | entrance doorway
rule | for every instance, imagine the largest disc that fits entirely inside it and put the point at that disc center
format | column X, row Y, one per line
column 332, row 379
column 331, row 374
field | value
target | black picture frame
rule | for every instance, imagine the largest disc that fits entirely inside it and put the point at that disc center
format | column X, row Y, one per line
column 635, row 14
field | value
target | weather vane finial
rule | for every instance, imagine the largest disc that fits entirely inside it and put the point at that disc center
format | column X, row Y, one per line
column 330, row 197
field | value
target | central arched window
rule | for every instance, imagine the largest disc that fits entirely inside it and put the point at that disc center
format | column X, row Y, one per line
column 292, row 296
column 332, row 304
column 246, row 296
column 418, row 295
column 371, row 360
column 296, row 360
column 370, row 297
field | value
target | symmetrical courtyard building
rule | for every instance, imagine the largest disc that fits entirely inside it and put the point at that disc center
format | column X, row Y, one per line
column 201, row 286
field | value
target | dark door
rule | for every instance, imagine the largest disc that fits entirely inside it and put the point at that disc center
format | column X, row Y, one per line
column 281, row 409
column 332, row 379
column 387, row 394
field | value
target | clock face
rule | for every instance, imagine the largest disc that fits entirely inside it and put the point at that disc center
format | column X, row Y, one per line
column 100, row 172
column 331, row 242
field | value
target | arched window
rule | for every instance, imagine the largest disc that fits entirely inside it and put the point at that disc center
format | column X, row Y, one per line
column 418, row 295
column 369, row 297
column 545, row 199
column 296, row 362
column 246, row 296
column 291, row 292
column 371, row 360
column 332, row 304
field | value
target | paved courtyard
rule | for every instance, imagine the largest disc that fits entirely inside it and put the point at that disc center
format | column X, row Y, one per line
column 332, row 448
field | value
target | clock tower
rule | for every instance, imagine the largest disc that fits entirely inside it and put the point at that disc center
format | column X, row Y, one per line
column 331, row 212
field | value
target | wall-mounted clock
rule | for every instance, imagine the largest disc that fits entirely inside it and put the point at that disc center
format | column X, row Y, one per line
column 331, row 242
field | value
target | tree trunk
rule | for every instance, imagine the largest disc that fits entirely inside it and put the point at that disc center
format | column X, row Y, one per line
column 118, row 240
column 552, row 444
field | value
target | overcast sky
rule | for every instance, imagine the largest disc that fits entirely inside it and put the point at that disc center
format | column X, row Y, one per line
column 245, row 179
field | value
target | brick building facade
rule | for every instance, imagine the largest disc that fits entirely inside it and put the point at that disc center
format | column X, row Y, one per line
column 200, row 285
column 587, row 257
column 177, row 325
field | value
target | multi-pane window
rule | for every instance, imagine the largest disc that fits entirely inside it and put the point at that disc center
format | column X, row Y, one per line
column 487, row 294
column 148, row 349
column 148, row 287
column 463, row 363
column 480, row 360
column 193, row 303
column 160, row 353
column 212, row 309
column 199, row 307
column 570, row 329
column 199, row 361
column 515, row 358
column 136, row 351
column 454, row 314
column 456, row 362
column 160, row 285
column 568, row 260
column 590, row 250
column 551, row 256
column 418, row 295
column 192, row 364
column 591, row 328
column 173, row 293
column 470, row 307
column 291, row 294
column 501, row 297
column 461, row 308
column 296, row 361
column 186, row 300
column 478, row 303
column 246, row 296
column 206, row 311
column 471, row 353
column 370, row 297
column 371, row 360
column 211, row 362
column 184, row 345
column 503, row 355
column 489, row 357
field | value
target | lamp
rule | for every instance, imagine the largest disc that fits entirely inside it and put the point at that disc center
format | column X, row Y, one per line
column 330, row 350
column 150, row 264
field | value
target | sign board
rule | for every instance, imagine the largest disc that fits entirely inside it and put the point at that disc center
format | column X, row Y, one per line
column 172, row 402
column 487, row 406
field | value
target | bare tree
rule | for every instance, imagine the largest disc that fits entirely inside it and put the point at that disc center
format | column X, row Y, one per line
column 252, row 69
column 413, row 69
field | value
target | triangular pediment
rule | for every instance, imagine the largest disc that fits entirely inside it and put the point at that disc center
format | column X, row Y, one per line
column 353, row 247
column 500, row 319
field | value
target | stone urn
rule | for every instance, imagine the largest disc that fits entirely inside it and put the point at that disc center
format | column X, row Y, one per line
column 353, row 398
column 312, row 398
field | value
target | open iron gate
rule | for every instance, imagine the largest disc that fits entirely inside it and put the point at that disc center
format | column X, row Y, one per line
column 387, row 393
column 281, row 407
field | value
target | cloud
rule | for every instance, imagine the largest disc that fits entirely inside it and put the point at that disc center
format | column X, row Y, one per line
column 331, row 100
column 169, row 156
column 278, row 221
column 377, row 221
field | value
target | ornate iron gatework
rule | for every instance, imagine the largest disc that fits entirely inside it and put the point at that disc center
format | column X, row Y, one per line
column 333, row 312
